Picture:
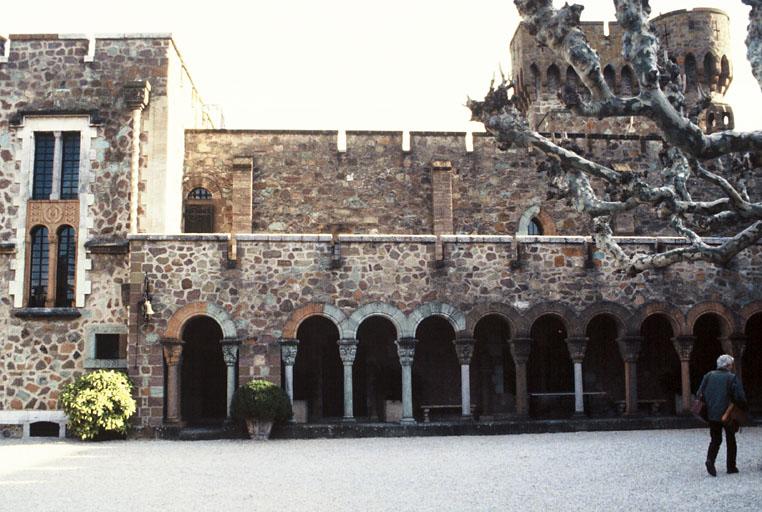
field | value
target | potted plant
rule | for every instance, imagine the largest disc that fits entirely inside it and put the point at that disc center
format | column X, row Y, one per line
column 259, row 404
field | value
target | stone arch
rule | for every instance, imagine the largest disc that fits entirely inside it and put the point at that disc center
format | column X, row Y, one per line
column 729, row 321
column 180, row 317
column 206, row 182
column 328, row 311
column 512, row 317
column 348, row 328
column 711, row 73
column 674, row 316
column 747, row 312
column 536, row 212
column 621, row 316
column 565, row 314
column 456, row 318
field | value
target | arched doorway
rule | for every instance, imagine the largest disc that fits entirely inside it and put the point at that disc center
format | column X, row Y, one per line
column 436, row 370
column 376, row 374
column 708, row 329
column 318, row 371
column 204, row 374
column 752, row 363
column 659, row 366
column 493, row 374
column 550, row 369
column 603, row 367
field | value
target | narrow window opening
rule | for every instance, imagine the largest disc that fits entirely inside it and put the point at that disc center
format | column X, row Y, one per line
column 70, row 165
column 534, row 228
column 44, row 154
column 107, row 346
column 66, row 267
column 38, row 271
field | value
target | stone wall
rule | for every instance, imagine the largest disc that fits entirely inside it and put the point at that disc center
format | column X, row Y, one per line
column 302, row 184
column 277, row 277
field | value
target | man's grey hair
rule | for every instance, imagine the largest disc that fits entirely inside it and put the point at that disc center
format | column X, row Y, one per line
column 724, row 361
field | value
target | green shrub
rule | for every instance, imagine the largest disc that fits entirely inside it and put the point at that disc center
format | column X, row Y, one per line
column 98, row 404
column 261, row 400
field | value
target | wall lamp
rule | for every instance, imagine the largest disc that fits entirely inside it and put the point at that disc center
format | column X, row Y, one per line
column 145, row 303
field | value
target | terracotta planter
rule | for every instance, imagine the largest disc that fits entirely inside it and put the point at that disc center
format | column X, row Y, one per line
column 259, row 430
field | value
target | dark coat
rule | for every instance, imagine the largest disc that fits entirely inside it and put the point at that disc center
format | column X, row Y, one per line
column 718, row 388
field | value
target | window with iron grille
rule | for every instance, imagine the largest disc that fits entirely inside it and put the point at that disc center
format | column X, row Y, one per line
column 38, row 271
column 70, row 165
column 65, row 267
column 199, row 193
column 44, row 157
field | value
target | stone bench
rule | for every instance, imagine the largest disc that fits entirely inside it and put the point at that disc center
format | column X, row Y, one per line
column 27, row 418
column 654, row 404
column 441, row 407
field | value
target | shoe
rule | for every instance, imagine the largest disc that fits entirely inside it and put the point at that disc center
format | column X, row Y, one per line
column 710, row 468
column 732, row 470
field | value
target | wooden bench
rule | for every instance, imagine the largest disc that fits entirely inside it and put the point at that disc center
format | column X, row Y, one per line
column 441, row 407
column 654, row 404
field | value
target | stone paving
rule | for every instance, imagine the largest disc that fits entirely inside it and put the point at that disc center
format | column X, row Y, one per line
column 635, row 470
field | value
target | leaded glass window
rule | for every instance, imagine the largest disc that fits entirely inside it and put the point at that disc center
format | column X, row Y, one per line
column 44, row 155
column 66, row 267
column 38, row 271
column 70, row 165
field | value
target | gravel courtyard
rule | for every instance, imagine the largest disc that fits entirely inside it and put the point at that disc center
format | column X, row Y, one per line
column 644, row 470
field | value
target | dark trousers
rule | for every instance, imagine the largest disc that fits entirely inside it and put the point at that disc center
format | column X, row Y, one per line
column 715, row 431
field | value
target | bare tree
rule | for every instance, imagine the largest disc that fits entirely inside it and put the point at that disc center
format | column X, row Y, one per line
column 722, row 159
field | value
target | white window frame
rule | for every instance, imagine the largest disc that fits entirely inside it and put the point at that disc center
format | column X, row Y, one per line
column 25, row 179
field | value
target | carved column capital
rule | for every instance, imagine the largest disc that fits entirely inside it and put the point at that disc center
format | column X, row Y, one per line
column 520, row 349
column 137, row 94
column 288, row 350
column 347, row 350
column 173, row 351
column 684, row 346
column 629, row 348
column 406, row 350
column 577, row 346
column 464, row 348
column 230, row 350
column 735, row 344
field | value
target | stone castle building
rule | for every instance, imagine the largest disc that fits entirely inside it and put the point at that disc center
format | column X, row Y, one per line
column 377, row 276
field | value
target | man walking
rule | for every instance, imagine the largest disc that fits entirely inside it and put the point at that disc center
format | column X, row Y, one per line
column 718, row 389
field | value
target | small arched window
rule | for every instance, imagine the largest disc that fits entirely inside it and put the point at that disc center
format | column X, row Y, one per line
column 534, row 73
column 710, row 70
column 610, row 76
column 199, row 193
column 629, row 85
column 554, row 79
column 199, row 211
column 691, row 77
column 534, row 228
column 38, row 267
column 65, row 267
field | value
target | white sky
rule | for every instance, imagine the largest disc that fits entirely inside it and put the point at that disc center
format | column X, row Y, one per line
column 352, row 64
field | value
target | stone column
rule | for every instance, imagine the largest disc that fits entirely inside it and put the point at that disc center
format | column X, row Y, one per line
column 55, row 189
column 464, row 347
column 230, row 355
column 735, row 345
column 406, row 353
column 50, row 297
column 684, row 346
column 577, row 346
column 136, row 97
column 173, row 356
column 288, row 350
column 629, row 348
column 347, row 351
column 520, row 348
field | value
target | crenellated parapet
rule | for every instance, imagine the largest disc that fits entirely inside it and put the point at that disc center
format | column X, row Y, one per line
column 698, row 40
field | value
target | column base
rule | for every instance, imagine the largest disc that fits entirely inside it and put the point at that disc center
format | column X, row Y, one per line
column 174, row 424
column 408, row 421
column 579, row 415
column 348, row 419
column 466, row 417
